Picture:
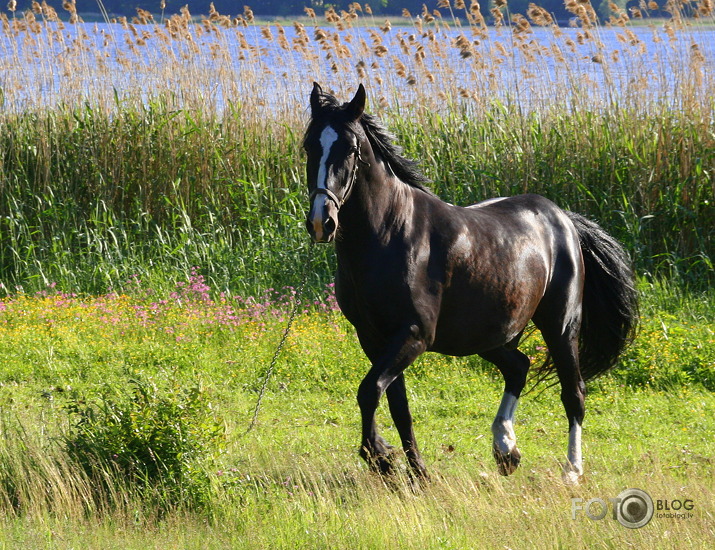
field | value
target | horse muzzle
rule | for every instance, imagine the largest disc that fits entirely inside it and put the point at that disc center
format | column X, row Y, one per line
column 322, row 220
column 321, row 232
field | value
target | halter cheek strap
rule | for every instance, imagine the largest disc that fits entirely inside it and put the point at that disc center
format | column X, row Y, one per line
column 348, row 189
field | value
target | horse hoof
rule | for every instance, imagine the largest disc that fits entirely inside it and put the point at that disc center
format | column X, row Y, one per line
column 507, row 463
column 381, row 464
column 379, row 457
column 418, row 472
column 571, row 476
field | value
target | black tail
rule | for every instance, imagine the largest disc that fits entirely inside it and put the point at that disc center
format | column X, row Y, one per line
column 610, row 299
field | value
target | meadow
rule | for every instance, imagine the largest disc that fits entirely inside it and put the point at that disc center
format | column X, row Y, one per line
column 152, row 241
column 89, row 383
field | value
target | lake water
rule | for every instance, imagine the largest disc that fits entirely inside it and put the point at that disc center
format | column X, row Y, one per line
column 272, row 68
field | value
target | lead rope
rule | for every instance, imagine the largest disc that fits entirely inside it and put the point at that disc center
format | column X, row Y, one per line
column 286, row 331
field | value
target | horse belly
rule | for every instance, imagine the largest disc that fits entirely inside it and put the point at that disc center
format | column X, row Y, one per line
column 476, row 320
column 473, row 337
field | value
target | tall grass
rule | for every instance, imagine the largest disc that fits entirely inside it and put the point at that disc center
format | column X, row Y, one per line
column 123, row 425
column 90, row 200
column 143, row 148
column 430, row 61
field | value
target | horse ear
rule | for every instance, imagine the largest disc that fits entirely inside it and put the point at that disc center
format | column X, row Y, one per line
column 357, row 106
column 316, row 99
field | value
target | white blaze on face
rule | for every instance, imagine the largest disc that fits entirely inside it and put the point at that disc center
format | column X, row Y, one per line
column 327, row 138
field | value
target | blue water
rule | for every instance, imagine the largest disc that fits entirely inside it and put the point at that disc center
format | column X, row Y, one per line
column 102, row 63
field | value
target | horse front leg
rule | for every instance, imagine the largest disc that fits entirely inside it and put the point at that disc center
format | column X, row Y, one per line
column 401, row 352
column 402, row 417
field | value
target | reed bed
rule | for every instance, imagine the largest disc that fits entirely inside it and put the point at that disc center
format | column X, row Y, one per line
column 152, row 145
column 435, row 60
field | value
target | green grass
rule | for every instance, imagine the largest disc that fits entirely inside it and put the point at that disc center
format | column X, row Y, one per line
column 90, row 200
column 298, row 483
column 296, row 480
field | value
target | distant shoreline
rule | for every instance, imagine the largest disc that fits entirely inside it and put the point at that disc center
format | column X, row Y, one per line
column 361, row 21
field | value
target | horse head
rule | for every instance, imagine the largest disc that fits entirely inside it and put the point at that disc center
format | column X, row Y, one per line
column 332, row 145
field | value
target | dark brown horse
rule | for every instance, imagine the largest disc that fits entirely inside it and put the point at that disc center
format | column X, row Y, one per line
column 417, row 274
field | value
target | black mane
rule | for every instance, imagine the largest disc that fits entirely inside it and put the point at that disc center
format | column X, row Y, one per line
column 381, row 140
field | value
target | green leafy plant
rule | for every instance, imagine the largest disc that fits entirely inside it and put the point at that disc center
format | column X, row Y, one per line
column 157, row 440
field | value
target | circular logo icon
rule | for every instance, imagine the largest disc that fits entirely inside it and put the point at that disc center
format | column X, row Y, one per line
column 634, row 508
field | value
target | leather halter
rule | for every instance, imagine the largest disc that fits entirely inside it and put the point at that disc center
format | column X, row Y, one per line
column 348, row 189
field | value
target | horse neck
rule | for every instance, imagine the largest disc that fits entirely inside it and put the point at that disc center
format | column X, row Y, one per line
column 380, row 204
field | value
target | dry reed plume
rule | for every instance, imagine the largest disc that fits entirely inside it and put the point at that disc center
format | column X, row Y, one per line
column 433, row 61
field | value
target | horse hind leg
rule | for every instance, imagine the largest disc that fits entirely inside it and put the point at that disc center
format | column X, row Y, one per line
column 513, row 366
column 573, row 394
column 564, row 352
